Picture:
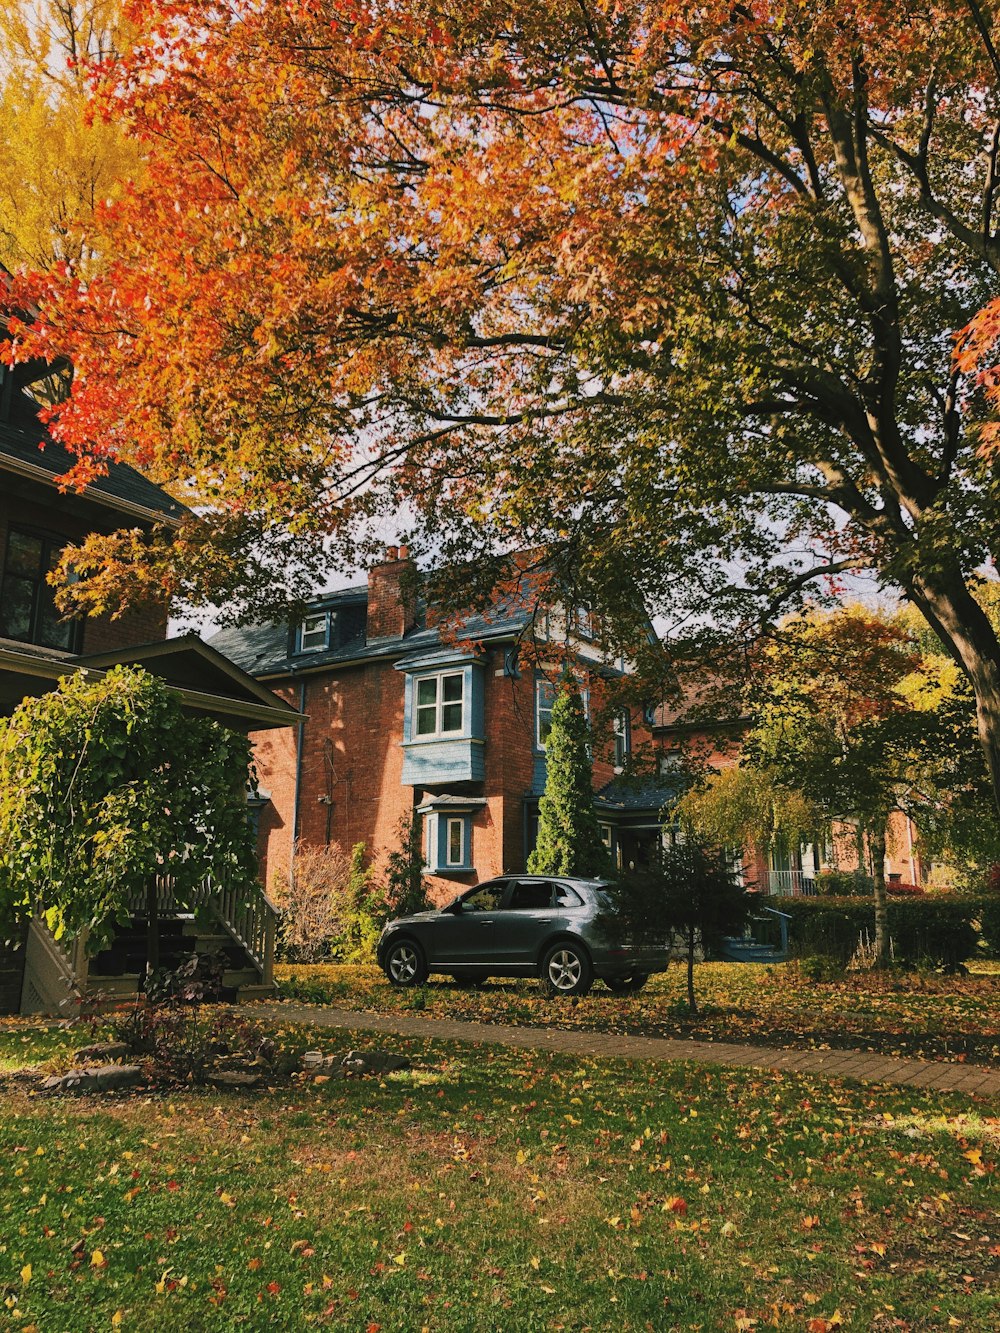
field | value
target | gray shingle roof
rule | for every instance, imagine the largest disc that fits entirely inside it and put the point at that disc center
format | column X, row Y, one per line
column 627, row 794
column 263, row 650
column 21, row 435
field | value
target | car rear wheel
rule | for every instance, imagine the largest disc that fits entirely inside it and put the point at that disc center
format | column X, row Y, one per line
column 626, row 985
column 566, row 970
column 405, row 964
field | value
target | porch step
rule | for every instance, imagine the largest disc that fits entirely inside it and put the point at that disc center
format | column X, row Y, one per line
column 256, row 991
column 114, row 987
column 750, row 951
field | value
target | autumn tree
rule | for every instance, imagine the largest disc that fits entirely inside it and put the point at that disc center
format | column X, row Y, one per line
column 59, row 161
column 670, row 291
column 848, row 723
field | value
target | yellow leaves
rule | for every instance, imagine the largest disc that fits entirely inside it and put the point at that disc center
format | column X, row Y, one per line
column 974, row 1156
column 97, row 1259
column 227, row 1199
column 819, row 1324
column 116, row 1318
column 522, row 1157
column 26, row 1274
column 400, row 1258
column 810, row 1223
column 535, row 1262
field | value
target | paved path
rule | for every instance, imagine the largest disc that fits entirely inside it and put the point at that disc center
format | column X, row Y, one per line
column 860, row 1065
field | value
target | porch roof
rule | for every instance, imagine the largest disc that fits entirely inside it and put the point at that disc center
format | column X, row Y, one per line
column 638, row 796
column 203, row 679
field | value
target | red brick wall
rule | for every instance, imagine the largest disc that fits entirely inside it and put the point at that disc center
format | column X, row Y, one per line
column 391, row 603
column 352, row 754
column 44, row 511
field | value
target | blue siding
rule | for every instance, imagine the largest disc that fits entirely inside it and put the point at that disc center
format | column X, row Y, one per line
column 441, row 842
column 435, row 759
column 426, row 763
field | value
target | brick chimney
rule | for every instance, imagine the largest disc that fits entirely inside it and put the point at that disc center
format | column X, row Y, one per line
column 392, row 601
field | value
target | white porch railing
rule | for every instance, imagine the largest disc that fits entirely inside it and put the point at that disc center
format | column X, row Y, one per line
column 790, row 884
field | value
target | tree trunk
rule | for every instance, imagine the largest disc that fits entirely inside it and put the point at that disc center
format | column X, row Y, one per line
column 876, row 851
column 692, row 1002
column 965, row 630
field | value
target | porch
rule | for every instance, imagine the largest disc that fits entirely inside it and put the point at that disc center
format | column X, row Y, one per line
column 59, row 976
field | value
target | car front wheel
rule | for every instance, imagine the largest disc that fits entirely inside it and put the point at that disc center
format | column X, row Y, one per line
column 566, row 970
column 626, row 985
column 405, row 964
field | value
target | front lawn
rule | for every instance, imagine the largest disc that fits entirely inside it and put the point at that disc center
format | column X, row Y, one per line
column 953, row 1018
column 499, row 1189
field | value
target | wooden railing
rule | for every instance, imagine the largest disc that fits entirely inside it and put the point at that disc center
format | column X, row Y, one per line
column 247, row 915
column 55, row 973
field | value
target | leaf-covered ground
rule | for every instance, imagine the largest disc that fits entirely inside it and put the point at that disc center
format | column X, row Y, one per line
column 954, row 1018
column 490, row 1189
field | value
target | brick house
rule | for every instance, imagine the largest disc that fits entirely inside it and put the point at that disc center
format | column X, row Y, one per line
column 399, row 717
column 715, row 743
column 37, row 647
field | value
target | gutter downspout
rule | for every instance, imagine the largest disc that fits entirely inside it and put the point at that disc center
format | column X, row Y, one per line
column 299, row 747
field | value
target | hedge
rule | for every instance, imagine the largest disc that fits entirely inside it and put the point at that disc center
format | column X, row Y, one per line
column 937, row 930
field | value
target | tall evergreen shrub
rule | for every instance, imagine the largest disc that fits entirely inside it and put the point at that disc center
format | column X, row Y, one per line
column 569, row 838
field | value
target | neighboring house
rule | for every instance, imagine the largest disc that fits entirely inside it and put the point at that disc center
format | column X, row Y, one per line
column 686, row 732
column 37, row 647
column 401, row 718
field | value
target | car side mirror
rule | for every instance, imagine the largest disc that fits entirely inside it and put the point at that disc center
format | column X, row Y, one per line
column 454, row 909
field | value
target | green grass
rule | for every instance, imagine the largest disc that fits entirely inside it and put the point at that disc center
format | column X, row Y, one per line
column 492, row 1189
column 934, row 1016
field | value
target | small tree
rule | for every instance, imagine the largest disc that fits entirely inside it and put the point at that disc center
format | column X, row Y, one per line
column 690, row 892
column 405, row 886
column 312, row 899
column 105, row 785
column 569, row 839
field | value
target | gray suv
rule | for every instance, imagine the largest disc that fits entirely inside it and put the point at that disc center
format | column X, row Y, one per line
column 521, row 925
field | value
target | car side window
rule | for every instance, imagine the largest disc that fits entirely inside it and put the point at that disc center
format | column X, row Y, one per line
column 526, row 895
column 567, row 897
column 486, row 898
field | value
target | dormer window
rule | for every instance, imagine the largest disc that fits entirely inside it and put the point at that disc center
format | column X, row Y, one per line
column 330, row 628
column 314, row 632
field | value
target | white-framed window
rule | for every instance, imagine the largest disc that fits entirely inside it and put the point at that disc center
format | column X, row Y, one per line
column 545, row 697
column 621, row 729
column 455, row 850
column 314, row 632
column 606, row 835
column 439, row 704
column 583, row 621
column 671, row 761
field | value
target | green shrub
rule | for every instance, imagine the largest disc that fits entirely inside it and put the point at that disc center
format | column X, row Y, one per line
column 935, row 930
column 820, row 967
column 844, row 884
column 988, row 915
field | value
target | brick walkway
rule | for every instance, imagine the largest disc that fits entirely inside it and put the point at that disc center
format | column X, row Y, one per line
column 861, row 1065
